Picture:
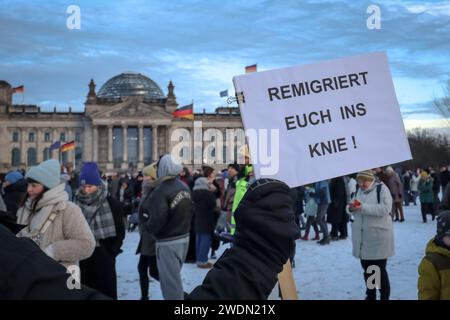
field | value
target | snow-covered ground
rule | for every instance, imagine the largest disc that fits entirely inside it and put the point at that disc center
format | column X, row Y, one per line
column 322, row 272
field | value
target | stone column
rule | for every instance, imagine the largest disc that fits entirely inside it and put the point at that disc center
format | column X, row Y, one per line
column 39, row 148
column 23, row 151
column 110, row 164
column 125, row 146
column 95, row 144
column 141, row 146
column 155, row 142
column 168, row 149
column 54, row 154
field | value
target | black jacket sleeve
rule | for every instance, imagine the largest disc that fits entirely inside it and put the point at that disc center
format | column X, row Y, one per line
column 28, row 273
column 157, row 209
column 264, row 240
column 117, row 211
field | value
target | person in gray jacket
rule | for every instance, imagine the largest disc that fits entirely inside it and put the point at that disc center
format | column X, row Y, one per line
column 372, row 232
column 167, row 215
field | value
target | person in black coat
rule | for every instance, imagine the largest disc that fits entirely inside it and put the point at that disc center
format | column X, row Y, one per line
column 105, row 218
column 264, row 240
column 205, row 220
column 147, row 247
column 436, row 187
column 28, row 273
column 265, row 235
column 210, row 174
column 15, row 190
column 125, row 197
column 445, row 178
column 336, row 214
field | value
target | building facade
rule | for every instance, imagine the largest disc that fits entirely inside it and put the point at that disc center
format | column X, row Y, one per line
column 125, row 126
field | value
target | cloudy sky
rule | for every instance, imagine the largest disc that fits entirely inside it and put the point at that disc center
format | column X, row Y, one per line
column 201, row 45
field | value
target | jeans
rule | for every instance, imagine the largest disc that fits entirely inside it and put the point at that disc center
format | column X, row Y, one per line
column 311, row 221
column 203, row 243
column 321, row 219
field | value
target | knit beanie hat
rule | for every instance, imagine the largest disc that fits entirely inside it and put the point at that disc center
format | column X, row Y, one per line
column 365, row 175
column 90, row 175
column 47, row 173
column 235, row 166
column 201, row 184
column 443, row 227
column 13, row 177
column 150, row 171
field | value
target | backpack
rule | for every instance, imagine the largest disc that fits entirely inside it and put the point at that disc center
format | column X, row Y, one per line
column 311, row 208
column 378, row 191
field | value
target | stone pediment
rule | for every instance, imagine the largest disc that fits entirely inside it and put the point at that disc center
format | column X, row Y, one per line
column 133, row 107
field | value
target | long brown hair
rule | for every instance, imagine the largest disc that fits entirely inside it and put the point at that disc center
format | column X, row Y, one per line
column 38, row 197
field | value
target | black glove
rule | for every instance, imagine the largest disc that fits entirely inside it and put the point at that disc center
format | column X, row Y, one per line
column 265, row 222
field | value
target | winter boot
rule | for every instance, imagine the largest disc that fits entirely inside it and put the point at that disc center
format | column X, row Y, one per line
column 324, row 241
column 305, row 237
column 317, row 237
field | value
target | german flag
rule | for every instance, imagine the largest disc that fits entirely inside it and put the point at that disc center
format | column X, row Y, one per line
column 186, row 112
column 20, row 89
column 68, row 146
column 250, row 69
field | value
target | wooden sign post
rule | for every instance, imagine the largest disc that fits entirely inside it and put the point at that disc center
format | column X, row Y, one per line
column 287, row 283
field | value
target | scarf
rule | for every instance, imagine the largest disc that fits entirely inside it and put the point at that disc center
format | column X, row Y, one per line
column 53, row 202
column 96, row 210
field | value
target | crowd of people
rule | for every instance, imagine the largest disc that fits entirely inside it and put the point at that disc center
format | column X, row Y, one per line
column 183, row 217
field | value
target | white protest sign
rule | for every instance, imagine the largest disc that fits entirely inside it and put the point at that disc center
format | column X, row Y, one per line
column 322, row 120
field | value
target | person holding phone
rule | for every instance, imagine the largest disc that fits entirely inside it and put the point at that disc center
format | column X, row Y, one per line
column 372, row 232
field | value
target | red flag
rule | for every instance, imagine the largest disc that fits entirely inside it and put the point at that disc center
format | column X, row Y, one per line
column 250, row 69
column 20, row 89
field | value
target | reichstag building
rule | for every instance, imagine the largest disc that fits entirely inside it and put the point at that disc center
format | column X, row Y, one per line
column 124, row 126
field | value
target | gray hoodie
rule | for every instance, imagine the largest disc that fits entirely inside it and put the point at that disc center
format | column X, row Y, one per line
column 201, row 184
column 167, row 167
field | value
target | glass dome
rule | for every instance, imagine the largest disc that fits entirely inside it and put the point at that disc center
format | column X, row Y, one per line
column 131, row 84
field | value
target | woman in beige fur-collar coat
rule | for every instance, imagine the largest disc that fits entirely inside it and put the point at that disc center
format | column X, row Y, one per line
column 56, row 225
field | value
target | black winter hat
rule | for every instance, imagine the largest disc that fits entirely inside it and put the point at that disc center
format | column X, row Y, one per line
column 235, row 166
column 443, row 224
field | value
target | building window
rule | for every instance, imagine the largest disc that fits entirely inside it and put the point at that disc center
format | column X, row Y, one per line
column 147, row 145
column 46, row 154
column 15, row 157
column 31, row 136
column 133, row 145
column 117, row 147
column 64, row 158
column 15, row 136
column 78, row 157
column 31, row 157
column 77, row 136
column 62, row 136
column 47, row 137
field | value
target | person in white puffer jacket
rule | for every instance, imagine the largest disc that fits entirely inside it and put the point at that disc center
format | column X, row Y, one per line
column 372, row 230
